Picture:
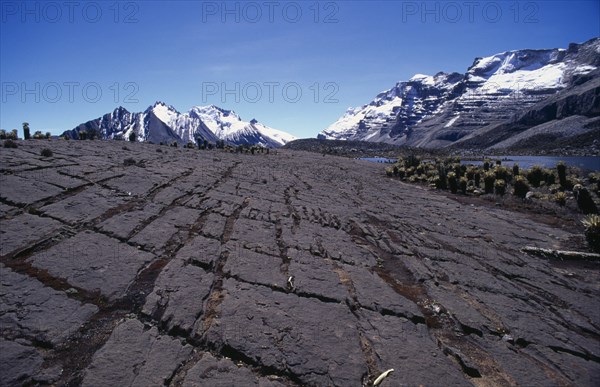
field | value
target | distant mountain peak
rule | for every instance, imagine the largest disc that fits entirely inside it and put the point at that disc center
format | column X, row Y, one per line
column 161, row 122
column 438, row 110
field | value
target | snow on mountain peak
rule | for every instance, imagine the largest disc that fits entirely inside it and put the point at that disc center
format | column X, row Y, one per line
column 210, row 123
column 422, row 78
column 494, row 86
column 227, row 125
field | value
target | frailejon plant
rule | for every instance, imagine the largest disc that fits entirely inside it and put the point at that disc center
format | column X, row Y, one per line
column 488, row 182
column 520, row 187
column 515, row 170
column 584, row 200
column 452, row 182
column 560, row 198
column 477, row 178
column 561, row 168
column 535, row 175
column 549, row 177
column 502, row 173
column 462, row 184
column 500, row 187
column 592, row 231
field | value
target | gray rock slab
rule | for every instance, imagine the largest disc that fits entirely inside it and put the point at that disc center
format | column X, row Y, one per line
column 136, row 182
column 22, row 191
column 18, row 363
column 214, row 224
column 200, row 251
column 256, row 235
column 133, row 356
column 94, row 262
column 24, row 230
column 30, row 310
column 315, row 341
column 375, row 294
column 210, row 371
column 316, row 276
column 157, row 234
column 253, row 267
column 123, row 224
column 53, row 176
column 178, row 296
column 84, row 206
column 410, row 351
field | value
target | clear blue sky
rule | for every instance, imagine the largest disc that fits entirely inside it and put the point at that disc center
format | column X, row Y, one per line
column 56, row 57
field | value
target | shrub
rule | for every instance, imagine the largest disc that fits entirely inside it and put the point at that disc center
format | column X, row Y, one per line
column 486, row 165
column 561, row 168
column 488, row 182
column 420, row 170
column 592, row 231
column 549, row 177
column 132, row 137
column 9, row 143
column 190, row 145
column 457, row 170
column 442, row 183
column 535, row 175
column 38, row 135
column 48, row 135
column 462, row 184
column 2, row 134
column 500, row 187
column 401, row 173
column 502, row 173
column 129, row 161
column 520, row 187
column 46, row 152
column 412, row 161
column 515, row 169
column 477, row 178
column 389, row 172
column 584, row 200
column 470, row 173
column 452, row 182
column 174, row 144
column 560, row 198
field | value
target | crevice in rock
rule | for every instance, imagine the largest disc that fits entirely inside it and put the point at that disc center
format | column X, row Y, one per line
column 584, row 356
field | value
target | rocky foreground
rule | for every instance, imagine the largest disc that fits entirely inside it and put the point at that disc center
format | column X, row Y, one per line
column 183, row 267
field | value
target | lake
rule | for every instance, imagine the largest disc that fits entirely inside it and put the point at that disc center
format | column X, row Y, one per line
column 378, row 159
column 585, row 162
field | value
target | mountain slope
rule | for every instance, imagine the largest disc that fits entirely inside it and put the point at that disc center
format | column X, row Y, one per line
column 440, row 110
column 163, row 123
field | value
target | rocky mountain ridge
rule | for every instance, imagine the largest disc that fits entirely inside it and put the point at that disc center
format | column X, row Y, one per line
column 447, row 109
column 163, row 123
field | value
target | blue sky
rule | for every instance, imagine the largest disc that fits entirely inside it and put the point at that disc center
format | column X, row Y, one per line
column 293, row 65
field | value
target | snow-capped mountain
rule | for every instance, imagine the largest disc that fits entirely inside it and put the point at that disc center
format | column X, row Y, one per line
column 393, row 112
column 435, row 111
column 163, row 123
column 228, row 126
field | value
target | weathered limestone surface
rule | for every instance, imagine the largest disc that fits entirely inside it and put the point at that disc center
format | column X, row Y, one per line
column 31, row 311
column 94, row 262
column 208, row 268
column 134, row 356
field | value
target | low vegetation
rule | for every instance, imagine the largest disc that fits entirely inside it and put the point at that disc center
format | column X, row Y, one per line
column 560, row 185
column 592, row 231
column 9, row 143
